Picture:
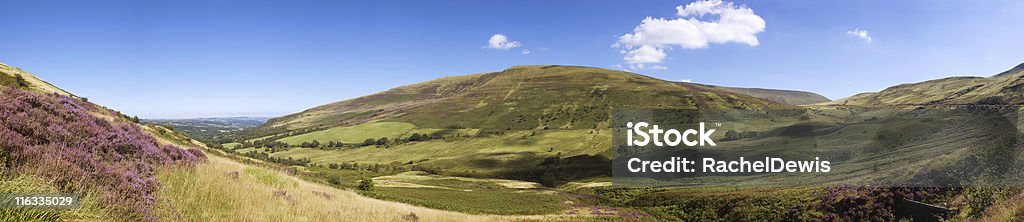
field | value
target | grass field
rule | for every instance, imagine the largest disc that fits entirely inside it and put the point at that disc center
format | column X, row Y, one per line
column 90, row 209
column 471, row 195
column 479, row 154
column 443, row 132
column 482, row 201
column 359, row 133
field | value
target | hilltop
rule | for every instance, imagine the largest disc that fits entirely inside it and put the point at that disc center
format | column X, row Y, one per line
column 1006, row 88
column 15, row 77
column 790, row 97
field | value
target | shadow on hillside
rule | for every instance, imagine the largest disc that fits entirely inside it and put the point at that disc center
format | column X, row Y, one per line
column 548, row 171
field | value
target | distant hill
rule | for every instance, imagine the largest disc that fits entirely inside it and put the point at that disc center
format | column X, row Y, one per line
column 209, row 129
column 790, row 97
column 1006, row 88
column 519, row 98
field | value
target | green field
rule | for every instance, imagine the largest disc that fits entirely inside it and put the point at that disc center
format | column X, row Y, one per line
column 471, row 195
column 482, row 155
column 443, row 132
column 353, row 134
column 483, row 201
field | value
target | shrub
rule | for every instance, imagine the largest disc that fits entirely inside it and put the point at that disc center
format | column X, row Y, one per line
column 56, row 137
column 365, row 185
column 415, row 137
column 21, row 81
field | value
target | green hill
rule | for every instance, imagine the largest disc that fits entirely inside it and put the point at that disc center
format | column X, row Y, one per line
column 1001, row 89
column 790, row 97
column 520, row 98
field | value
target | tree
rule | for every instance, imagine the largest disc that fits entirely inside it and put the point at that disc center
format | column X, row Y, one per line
column 135, row 119
column 369, row 141
column 382, row 141
column 315, row 144
column 415, row 137
column 365, row 185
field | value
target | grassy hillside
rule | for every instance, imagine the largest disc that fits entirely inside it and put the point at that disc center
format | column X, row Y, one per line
column 128, row 171
column 353, row 134
column 9, row 76
column 783, row 96
column 63, row 141
column 520, row 98
column 1001, row 89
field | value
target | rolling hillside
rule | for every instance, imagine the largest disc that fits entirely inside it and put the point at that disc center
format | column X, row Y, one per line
column 790, row 97
column 51, row 142
column 520, row 98
column 1006, row 88
column 550, row 125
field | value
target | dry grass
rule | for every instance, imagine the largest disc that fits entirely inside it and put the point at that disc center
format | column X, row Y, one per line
column 1008, row 210
column 224, row 190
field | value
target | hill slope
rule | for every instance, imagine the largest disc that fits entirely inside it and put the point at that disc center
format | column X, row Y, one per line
column 1006, row 88
column 790, row 97
column 10, row 76
column 51, row 142
column 74, row 146
column 519, row 98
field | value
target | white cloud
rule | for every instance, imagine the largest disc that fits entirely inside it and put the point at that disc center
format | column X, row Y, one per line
column 638, row 66
column 526, row 51
column 686, row 80
column 501, row 42
column 691, row 30
column 861, row 34
column 645, row 54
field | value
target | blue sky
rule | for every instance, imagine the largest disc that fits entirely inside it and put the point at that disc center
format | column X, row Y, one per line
column 268, row 58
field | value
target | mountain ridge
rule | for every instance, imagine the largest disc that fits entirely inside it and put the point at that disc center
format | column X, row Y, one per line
column 520, row 97
column 1005, row 88
column 792, row 97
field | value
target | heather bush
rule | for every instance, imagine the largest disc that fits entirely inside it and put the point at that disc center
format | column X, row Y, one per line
column 867, row 203
column 56, row 137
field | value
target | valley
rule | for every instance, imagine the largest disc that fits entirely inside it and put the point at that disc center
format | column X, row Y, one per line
column 537, row 143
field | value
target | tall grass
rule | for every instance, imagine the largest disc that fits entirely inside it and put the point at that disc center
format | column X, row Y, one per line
column 90, row 208
column 224, row 190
